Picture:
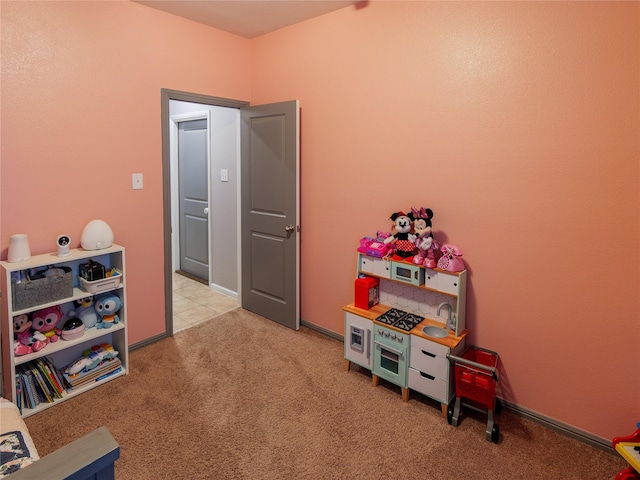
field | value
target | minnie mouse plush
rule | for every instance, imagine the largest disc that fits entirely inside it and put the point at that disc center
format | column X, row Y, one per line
column 428, row 247
column 27, row 341
column 403, row 238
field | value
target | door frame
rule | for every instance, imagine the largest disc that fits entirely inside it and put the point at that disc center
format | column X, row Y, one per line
column 174, row 125
column 166, row 96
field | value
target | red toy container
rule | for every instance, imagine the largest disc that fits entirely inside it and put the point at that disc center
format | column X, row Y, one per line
column 367, row 292
column 477, row 384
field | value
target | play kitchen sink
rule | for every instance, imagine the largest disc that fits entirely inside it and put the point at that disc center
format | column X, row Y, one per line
column 435, row 332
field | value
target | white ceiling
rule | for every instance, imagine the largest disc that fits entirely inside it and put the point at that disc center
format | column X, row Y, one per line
column 247, row 18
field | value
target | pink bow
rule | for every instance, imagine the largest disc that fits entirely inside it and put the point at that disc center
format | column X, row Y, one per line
column 422, row 213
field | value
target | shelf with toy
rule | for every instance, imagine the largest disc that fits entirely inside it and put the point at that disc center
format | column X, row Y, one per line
column 416, row 259
column 75, row 255
column 79, row 325
column 63, row 354
column 433, row 279
column 91, row 335
column 78, row 294
column 27, row 412
column 19, row 273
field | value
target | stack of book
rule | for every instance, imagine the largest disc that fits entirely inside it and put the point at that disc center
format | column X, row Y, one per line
column 108, row 367
column 38, row 381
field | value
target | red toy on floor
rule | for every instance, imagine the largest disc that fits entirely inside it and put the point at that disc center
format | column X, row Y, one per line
column 629, row 448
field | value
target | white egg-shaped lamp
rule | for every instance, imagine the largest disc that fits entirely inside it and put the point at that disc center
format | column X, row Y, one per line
column 96, row 235
column 19, row 250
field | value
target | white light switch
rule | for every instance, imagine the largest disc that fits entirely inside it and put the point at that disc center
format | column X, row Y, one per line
column 224, row 175
column 136, row 179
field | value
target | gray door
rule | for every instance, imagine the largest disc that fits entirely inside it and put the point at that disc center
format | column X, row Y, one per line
column 270, row 212
column 194, row 199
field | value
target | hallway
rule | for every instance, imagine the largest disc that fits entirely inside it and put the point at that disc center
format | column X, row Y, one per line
column 195, row 303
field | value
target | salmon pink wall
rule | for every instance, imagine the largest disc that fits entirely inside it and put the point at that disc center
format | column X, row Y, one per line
column 517, row 123
column 81, row 86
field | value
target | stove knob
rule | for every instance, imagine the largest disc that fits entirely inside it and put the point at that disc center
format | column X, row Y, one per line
column 386, row 334
column 379, row 331
column 400, row 339
column 393, row 336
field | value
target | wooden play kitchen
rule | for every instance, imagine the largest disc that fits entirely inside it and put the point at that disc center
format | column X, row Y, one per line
column 405, row 324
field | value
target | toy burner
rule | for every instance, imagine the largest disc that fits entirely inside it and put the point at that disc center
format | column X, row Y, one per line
column 400, row 319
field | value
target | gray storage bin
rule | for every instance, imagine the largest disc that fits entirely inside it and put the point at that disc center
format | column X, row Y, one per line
column 30, row 293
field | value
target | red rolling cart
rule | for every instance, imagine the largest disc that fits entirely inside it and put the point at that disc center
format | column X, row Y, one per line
column 476, row 378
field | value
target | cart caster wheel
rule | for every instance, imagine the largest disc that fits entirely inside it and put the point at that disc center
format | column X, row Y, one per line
column 495, row 433
column 450, row 416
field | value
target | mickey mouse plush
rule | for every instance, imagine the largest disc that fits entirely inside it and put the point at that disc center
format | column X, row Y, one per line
column 403, row 238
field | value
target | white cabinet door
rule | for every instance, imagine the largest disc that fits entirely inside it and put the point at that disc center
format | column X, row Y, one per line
column 375, row 266
column 430, row 278
column 448, row 283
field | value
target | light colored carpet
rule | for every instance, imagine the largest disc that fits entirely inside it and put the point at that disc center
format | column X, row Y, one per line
column 240, row 397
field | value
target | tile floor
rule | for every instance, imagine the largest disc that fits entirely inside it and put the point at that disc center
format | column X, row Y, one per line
column 194, row 303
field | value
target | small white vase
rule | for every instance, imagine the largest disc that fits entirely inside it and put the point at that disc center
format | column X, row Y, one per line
column 19, row 250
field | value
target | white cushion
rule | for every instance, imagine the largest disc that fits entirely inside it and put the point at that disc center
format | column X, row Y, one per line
column 16, row 450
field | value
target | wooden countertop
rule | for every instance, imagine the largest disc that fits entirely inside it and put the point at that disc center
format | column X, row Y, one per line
column 450, row 340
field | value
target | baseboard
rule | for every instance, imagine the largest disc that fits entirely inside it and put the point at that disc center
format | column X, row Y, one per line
column 148, row 341
column 563, row 428
column 224, row 291
column 324, row 331
column 551, row 423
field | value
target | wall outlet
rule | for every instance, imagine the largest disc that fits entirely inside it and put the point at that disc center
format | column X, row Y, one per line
column 136, row 179
column 224, row 175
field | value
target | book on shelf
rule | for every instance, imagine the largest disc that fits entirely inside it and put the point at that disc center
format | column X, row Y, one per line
column 48, row 375
column 27, row 394
column 19, row 392
column 57, row 374
column 29, row 384
column 39, row 381
column 41, row 385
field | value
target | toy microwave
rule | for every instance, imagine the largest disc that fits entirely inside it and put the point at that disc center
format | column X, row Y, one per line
column 408, row 273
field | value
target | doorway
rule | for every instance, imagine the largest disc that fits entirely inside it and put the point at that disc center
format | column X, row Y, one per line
column 268, row 136
column 223, row 118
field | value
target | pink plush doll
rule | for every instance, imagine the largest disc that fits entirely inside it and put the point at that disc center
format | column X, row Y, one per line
column 46, row 321
column 428, row 247
column 26, row 340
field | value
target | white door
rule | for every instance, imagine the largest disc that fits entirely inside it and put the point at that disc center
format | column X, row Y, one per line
column 270, row 211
